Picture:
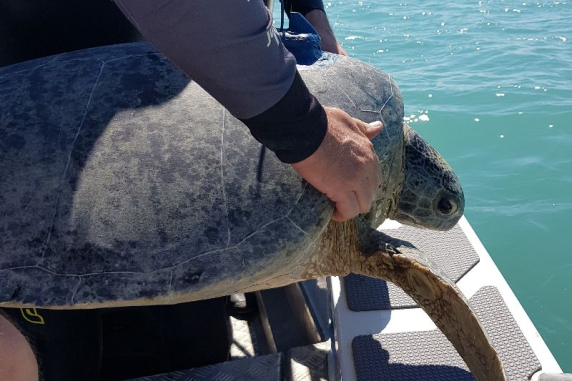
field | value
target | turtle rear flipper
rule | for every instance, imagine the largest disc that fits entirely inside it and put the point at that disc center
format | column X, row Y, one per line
column 410, row 269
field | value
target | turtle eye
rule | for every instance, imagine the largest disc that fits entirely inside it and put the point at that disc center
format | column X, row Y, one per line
column 446, row 206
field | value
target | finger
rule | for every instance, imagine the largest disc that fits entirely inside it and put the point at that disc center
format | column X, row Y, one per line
column 346, row 208
column 371, row 130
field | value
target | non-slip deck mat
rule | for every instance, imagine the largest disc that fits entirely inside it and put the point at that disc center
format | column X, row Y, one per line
column 308, row 363
column 429, row 356
column 260, row 368
column 450, row 250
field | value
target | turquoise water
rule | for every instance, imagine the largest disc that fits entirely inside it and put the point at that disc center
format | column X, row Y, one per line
column 494, row 83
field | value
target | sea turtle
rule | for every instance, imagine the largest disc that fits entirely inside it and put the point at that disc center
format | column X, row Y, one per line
column 124, row 183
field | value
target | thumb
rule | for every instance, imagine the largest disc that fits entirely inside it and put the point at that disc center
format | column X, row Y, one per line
column 371, row 130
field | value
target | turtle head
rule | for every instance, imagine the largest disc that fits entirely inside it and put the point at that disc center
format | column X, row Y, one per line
column 432, row 196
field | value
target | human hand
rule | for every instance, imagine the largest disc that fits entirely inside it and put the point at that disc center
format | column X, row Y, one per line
column 345, row 167
column 319, row 21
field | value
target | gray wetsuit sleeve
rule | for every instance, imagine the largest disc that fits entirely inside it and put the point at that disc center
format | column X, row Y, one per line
column 229, row 47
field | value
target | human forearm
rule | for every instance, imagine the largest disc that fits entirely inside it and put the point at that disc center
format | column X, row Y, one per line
column 234, row 53
column 231, row 49
column 320, row 22
column 331, row 150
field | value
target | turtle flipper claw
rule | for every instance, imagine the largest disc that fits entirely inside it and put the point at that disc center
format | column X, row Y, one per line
column 389, row 249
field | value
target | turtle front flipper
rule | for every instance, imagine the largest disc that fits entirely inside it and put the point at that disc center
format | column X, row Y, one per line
column 382, row 256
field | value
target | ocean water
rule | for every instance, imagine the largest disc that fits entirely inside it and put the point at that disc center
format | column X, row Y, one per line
column 489, row 84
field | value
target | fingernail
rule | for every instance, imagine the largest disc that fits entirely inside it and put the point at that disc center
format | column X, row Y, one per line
column 375, row 124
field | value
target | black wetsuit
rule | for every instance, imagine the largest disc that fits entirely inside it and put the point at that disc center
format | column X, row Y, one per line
column 257, row 83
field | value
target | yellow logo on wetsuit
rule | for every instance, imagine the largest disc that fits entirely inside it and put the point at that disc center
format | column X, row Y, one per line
column 32, row 316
